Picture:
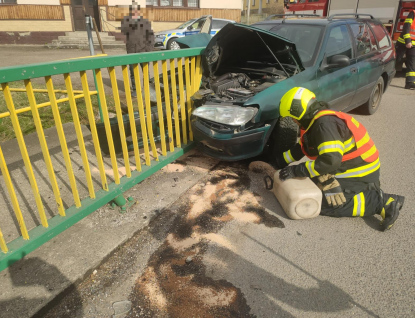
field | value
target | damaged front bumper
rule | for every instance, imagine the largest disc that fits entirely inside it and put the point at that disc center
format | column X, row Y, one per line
column 230, row 146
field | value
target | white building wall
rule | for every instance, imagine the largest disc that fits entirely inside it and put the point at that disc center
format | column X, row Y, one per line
column 40, row 2
column 221, row 4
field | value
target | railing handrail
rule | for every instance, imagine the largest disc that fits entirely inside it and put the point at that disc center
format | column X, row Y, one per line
column 30, row 71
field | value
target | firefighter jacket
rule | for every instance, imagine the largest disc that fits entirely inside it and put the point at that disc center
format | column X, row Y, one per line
column 337, row 144
column 408, row 31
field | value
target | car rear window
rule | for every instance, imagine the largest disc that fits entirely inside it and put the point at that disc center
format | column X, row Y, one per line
column 364, row 39
column 381, row 35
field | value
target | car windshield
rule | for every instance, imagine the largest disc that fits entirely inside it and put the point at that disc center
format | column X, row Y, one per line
column 305, row 37
column 187, row 23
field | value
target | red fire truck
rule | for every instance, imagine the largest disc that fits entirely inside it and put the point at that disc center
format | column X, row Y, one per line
column 391, row 12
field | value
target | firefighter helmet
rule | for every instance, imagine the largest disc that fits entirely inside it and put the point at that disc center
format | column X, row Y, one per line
column 294, row 103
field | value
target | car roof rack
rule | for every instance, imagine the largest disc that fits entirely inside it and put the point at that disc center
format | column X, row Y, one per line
column 357, row 15
column 290, row 15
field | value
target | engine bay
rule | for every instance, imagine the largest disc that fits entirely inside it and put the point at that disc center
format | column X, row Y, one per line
column 235, row 88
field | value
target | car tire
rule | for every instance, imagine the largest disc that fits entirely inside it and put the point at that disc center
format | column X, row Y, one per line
column 372, row 105
column 283, row 137
column 173, row 45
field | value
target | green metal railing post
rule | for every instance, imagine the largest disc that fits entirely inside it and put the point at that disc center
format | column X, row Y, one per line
column 99, row 100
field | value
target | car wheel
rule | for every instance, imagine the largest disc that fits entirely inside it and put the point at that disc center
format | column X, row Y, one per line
column 372, row 105
column 283, row 137
column 173, row 45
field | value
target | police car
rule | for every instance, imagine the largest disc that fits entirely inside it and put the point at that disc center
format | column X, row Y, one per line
column 166, row 39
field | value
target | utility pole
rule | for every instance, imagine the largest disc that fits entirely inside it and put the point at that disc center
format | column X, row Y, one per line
column 89, row 27
column 249, row 11
column 260, row 7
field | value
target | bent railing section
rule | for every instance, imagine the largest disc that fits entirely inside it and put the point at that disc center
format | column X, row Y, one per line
column 40, row 200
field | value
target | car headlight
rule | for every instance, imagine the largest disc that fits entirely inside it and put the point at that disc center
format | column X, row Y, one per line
column 228, row 115
column 160, row 36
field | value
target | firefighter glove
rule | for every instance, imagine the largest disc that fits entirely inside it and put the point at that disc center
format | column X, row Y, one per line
column 332, row 190
column 296, row 171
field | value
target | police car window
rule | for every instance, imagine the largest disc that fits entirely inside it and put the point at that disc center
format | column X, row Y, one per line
column 339, row 42
column 219, row 24
column 186, row 24
column 198, row 24
column 381, row 35
column 364, row 39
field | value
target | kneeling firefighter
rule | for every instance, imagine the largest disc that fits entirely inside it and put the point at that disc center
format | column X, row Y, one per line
column 344, row 160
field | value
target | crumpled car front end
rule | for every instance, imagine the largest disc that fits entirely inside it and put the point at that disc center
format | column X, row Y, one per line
column 242, row 67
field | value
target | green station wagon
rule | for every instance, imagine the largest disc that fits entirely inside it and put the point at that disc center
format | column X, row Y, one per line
column 346, row 62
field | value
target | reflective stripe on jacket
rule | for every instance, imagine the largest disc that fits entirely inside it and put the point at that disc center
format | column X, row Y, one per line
column 359, row 145
column 408, row 31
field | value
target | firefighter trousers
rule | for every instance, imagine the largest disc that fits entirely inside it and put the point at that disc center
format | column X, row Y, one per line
column 362, row 199
column 409, row 62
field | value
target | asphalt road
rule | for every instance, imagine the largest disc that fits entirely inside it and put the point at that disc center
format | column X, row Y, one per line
column 226, row 249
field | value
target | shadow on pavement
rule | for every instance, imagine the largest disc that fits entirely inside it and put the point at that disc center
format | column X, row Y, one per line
column 36, row 273
column 325, row 298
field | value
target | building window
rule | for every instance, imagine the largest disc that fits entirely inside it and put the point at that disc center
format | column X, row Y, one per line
column 172, row 3
column 253, row 2
column 8, row 1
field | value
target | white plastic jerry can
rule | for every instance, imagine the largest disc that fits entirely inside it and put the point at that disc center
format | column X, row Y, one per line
column 299, row 197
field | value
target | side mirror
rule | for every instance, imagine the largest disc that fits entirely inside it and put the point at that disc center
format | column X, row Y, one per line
column 190, row 27
column 336, row 61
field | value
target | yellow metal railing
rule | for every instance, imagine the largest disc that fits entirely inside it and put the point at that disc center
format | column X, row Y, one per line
column 173, row 89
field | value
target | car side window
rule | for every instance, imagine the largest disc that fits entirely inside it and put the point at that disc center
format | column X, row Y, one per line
column 364, row 39
column 198, row 24
column 339, row 43
column 218, row 24
column 381, row 35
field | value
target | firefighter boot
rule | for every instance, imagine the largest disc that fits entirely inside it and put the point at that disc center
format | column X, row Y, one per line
column 390, row 211
column 410, row 85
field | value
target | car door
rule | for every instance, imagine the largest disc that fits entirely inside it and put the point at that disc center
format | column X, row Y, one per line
column 368, row 62
column 337, row 86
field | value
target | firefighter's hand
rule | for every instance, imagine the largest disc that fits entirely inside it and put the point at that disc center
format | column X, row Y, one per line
column 409, row 45
column 332, row 190
column 287, row 173
column 296, row 171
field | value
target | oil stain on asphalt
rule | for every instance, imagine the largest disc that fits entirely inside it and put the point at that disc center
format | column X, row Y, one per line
column 175, row 283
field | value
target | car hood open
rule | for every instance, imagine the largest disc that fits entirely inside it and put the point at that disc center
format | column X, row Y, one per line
column 236, row 44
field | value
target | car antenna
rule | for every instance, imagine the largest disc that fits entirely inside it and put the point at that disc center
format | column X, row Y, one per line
column 279, row 63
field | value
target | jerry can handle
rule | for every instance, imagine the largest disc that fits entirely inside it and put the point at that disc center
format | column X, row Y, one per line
column 269, row 183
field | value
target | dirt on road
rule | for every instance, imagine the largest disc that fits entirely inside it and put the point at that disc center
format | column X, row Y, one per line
column 174, row 283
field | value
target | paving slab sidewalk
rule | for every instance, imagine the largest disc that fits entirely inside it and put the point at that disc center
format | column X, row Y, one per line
column 30, row 284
